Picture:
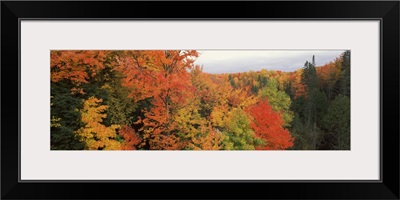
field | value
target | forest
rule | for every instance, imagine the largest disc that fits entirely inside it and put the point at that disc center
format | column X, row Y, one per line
column 161, row 100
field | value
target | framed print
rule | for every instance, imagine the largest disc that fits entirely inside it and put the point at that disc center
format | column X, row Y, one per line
column 283, row 95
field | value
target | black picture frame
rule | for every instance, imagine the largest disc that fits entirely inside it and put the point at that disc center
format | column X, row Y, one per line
column 386, row 11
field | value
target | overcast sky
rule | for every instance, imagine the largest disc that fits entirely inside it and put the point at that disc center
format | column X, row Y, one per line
column 232, row 61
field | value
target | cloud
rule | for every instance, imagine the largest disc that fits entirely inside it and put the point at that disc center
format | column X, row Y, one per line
column 232, row 61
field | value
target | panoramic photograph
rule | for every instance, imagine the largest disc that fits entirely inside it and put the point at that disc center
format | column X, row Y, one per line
column 200, row 99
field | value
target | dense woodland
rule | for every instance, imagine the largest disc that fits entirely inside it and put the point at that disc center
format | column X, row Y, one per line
column 160, row 100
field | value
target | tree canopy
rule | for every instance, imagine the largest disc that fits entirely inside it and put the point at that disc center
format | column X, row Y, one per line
column 161, row 100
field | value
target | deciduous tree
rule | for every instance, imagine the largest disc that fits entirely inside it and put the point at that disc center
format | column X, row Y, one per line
column 268, row 125
column 94, row 134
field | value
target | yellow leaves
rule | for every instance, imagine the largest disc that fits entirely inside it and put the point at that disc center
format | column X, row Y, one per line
column 92, row 112
column 240, row 98
column 105, row 132
column 95, row 134
column 218, row 115
column 208, row 139
column 283, row 81
column 55, row 122
column 187, row 117
column 92, row 144
column 106, row 86
column 236, row 99
column 112, row 145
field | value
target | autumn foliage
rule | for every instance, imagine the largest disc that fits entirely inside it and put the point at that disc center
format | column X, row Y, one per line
column 160, row 100
column 131, row 139
column 268, row 125
column 94, row 134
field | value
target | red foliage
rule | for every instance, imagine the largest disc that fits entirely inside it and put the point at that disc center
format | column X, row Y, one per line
column 268, row 125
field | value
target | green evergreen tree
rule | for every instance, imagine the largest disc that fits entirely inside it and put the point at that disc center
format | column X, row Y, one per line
column 65, row 108
column 337, row 122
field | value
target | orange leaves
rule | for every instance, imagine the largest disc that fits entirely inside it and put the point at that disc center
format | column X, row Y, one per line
column 75, row 65
column 170, row 104
column 298, row 86
column 149, row 72
column 268, row 125
column 329, row 74
column 162, row 76
column 131, row 139
column 173, row 88
column 138, row 74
